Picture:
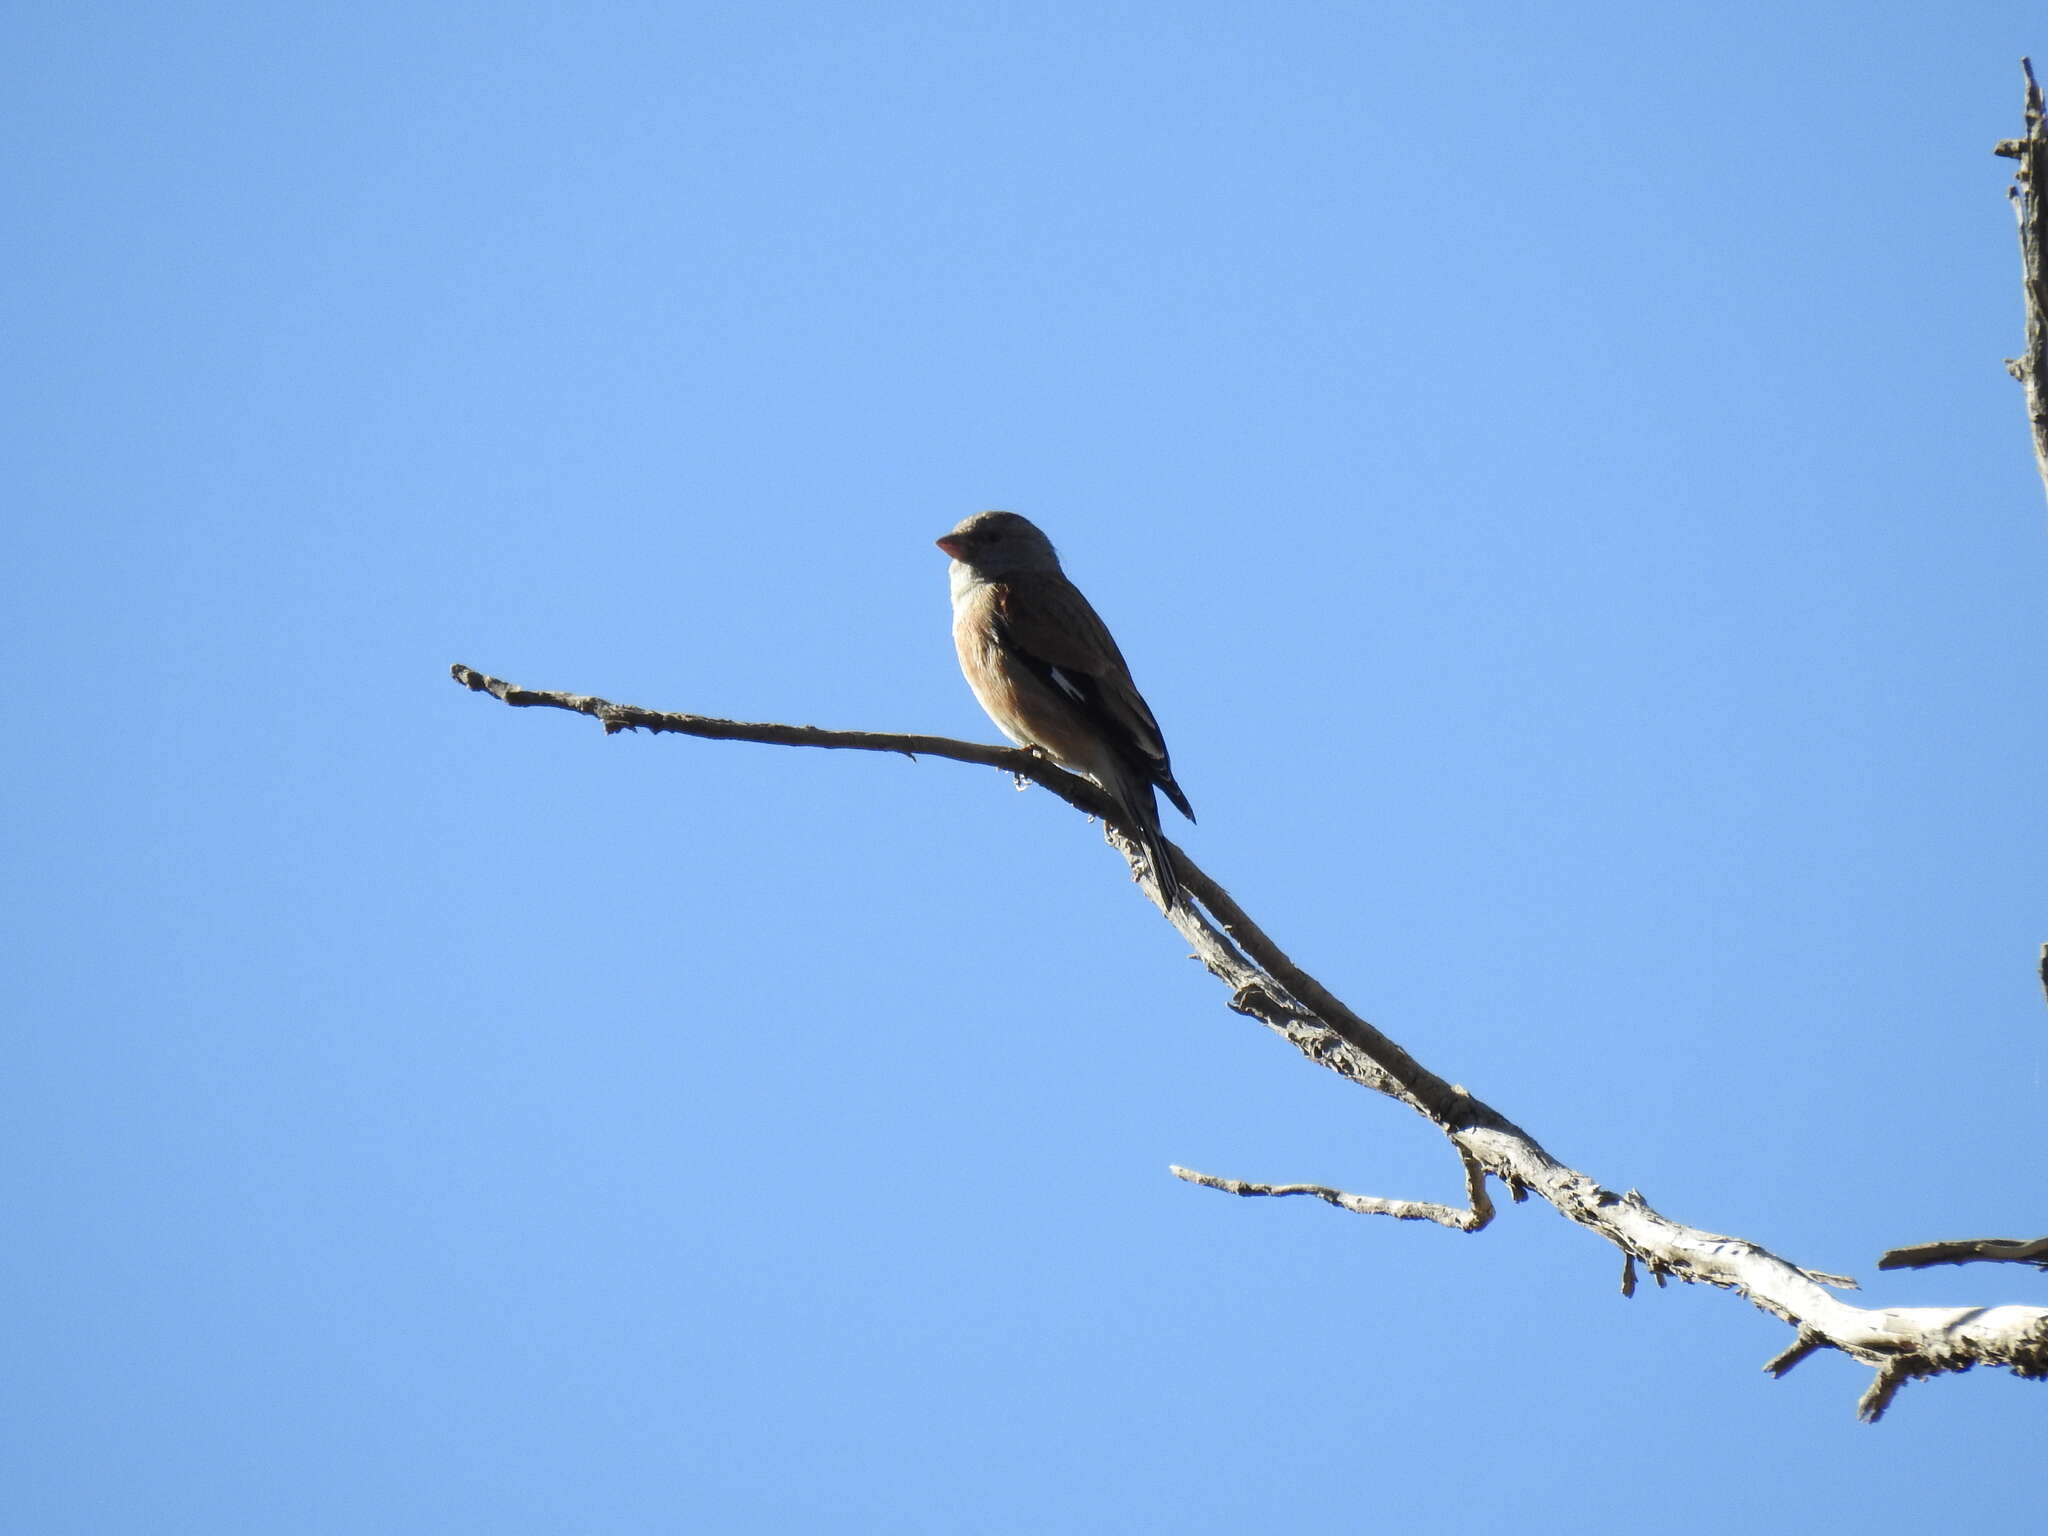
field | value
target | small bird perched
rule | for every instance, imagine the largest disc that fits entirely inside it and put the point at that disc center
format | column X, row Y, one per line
column 1044, row 667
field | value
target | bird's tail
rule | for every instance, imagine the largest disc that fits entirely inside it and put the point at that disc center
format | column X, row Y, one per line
column 1142, row 806
column 1162, row 868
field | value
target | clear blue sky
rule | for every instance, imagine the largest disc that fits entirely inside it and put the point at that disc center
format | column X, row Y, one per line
column 1551, row 471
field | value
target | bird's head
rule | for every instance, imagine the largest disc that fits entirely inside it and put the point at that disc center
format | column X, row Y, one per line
column 1000, row 544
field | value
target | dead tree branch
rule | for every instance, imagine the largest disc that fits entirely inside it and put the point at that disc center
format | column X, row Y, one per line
column 1974, row 1250
column 1969, row 1250
column 2029, row 195
column 1898, row 1343
column 1477, row 1213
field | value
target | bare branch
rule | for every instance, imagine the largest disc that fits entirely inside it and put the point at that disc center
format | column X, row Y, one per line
column 1360, row 1205
column 1891, row 1376
column 2029, row 195
column 1969, row 1250
column 1076, row 791
column 1900, row 1342
column 627, row 717
column 1801, row 1346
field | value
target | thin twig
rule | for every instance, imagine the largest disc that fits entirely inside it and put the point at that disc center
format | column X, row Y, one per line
column 1803, row 1344
column 1891, row 1376
column 1358, row 1205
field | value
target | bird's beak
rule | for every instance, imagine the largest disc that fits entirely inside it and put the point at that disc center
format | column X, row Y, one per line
column 950, row 544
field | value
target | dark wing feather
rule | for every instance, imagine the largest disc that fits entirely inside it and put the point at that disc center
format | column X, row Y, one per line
column 1053, row 633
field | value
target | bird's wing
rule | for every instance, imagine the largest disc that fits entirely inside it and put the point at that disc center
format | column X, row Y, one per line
column 1047, row 624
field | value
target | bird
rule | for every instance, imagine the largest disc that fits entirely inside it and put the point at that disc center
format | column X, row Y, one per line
column 1044, row 668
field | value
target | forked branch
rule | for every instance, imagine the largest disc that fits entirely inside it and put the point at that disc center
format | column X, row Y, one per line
column 1899, row 1343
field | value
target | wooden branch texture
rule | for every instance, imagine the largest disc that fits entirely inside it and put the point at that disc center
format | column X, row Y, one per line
column 1899, row 1343
column 1969, row 1250
column 2029, row 194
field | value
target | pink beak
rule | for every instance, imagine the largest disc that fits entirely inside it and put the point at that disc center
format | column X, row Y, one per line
column 950, row 544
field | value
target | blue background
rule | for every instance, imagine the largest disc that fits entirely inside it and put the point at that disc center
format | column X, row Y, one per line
column 1552, row 473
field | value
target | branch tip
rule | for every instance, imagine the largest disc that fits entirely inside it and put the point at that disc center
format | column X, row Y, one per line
column 1877, row 1397
column 1804, row 1344
column 1968, row 1250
